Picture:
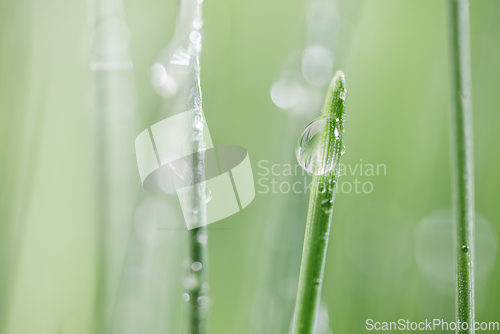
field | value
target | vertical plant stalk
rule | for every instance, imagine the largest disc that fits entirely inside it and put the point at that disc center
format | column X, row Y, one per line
column 198, row 271
column 173, row 61
column 116, row 120
column 320, row 212
column 462, row 162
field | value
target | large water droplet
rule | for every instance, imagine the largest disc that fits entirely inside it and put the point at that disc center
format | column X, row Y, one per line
column 310, row 154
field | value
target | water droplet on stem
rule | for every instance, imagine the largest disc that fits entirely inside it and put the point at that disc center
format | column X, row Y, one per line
column 202, row 238
column 208, row 195
column 343, row 94
column 203, row 301
column 196, row 266
column 327, row 205
column 309, row 151
column 195, row 37
column 465, row 95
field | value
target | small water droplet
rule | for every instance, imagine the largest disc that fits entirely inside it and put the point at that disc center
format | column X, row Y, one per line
column 337, row 120
column 336, row 133
column 321, row 188
column 198, row 124
column 196, row 266
column 309, row 150
column 185, row 297
column 327, row 205
column 203, row 301
column 327, row 234
column 194, row 49
column 343, row 94
column 197, row 136
column 465, row 94
column 208, row 195
column 342, row 151
column 319, row 280
column 465, row 249
column 202, row 238
column 198, row 23
column 205, row 288
column 195, row 211
column 195, row 37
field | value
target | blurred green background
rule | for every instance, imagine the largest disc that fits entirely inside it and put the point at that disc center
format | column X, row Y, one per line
column 61, row 271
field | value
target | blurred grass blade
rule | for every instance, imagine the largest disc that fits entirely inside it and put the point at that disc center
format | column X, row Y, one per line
column 320, row 211
column 462, row 163
column 198, row 270
column 116, row 120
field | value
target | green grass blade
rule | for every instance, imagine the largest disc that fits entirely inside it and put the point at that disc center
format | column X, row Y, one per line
column 462, row 163
column 198, row 249
column 319, row 217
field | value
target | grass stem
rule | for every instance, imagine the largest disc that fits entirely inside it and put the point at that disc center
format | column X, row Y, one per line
column 320, row 211
column 462, row 162
column 198, row 249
